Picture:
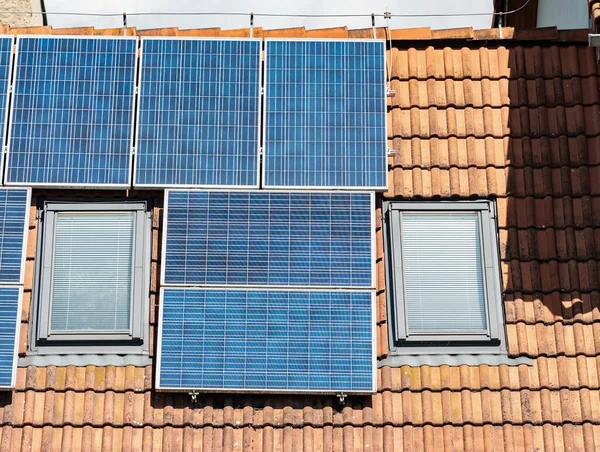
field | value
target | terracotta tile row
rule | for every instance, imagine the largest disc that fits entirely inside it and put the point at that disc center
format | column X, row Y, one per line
column 346, row 439
column 445, row 407
column 97, row 378
column 409, row 34
column 493, row 62
column 453, row 182
column 535, row 340
column 495, row 93
column 338, row 32
column 551, row 152
column 533, row 276
column 555, row 307
column 550, row 244
column 545, row 373
column 430, row 182
column 553, row 340
column 549, row 212
column 498, row 122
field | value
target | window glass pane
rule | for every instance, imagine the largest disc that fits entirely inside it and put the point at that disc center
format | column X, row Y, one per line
column 91, row 284
column 443, row 272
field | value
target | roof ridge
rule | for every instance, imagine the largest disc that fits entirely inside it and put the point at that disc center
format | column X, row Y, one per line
column 401, row 34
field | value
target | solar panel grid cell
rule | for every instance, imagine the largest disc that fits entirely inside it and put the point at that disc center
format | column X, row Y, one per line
column 72, row 112
column 198, row 118
column 269, row 238
column 325, row 114
column 14, row 226
column 273, row 340
column 14, row 214
column 6, row 58
column 10, row 308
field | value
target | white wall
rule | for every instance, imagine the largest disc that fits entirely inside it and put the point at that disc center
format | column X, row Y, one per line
column 565, row 14
column 20, row 20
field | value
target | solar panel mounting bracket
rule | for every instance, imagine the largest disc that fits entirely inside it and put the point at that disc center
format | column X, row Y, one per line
column 262, row 91
column 391, row 152
column 342, row 398
column 194, row 395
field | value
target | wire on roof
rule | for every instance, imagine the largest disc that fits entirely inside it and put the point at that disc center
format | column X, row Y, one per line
column 211, row 13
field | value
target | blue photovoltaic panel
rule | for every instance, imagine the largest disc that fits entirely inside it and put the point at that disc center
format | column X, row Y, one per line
column 198, row 121
column 14, row 209
column 6, row 46
column 325, row 114
column 9, row 315
column 14, row 224
column 289, row 341
column 308, row 239
column 72, row 111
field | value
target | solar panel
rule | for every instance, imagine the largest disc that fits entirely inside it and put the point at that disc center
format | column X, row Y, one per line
column 10, row 313
column 267, row 290
column 14, row 224
column 6, row 46
column 325, row 114
column 198, row 117
column 280, row 340
column 309, row 239
column 71, row 121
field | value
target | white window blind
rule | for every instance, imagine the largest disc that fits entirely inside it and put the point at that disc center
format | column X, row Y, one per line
column 443, row 272
column 91, row 283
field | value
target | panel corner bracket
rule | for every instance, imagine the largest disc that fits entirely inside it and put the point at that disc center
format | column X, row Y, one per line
column 194, row 396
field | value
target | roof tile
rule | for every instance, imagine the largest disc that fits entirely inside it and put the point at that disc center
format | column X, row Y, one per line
column 201, row 32
column 453, row 33
column 411, row 33
column 298, row 32
column 326, row 33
